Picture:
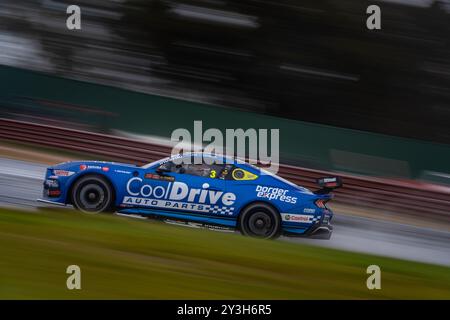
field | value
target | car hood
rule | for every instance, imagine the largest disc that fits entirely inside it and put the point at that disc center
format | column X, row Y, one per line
column 78, row 164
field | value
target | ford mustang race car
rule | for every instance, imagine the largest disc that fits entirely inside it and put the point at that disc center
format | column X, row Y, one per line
column 200, row 189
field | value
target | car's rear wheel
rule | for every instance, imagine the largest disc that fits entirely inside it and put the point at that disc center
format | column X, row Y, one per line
column 92, row 194
column 260, row 220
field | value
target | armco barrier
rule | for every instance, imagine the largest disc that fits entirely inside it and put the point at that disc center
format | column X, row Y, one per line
column 409, row 197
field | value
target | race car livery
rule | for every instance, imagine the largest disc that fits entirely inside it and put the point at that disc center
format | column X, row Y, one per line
column 197, row 189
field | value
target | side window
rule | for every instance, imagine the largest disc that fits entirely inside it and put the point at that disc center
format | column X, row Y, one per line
column 168, row 166
column 226, row 172
column 212, row 171
column 176, row 165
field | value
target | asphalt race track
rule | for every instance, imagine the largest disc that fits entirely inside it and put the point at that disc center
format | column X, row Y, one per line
column 21, row 185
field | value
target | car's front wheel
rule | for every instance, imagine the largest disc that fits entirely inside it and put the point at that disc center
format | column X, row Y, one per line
column 260, row 220
column 92, row 194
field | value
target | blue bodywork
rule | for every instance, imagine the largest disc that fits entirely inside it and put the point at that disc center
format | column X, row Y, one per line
column 215, row 199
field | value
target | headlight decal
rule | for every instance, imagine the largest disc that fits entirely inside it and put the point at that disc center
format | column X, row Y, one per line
column 62, row 173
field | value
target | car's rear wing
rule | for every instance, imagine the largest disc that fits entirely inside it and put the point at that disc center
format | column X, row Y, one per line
column 327, row 184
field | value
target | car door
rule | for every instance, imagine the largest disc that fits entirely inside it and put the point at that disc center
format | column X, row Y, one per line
column 206, row 190
column 185, row 188
column 242, row 181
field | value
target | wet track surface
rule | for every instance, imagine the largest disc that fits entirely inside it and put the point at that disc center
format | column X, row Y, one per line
column 21, row 185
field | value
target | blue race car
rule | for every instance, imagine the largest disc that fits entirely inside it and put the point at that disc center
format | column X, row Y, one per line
column 201, row 189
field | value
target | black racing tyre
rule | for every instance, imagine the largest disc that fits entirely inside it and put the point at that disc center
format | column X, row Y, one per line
column 92, row 194
column 260, row 220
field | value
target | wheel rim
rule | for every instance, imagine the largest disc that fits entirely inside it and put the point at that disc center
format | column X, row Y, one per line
column 92, row 197
column 260, row 224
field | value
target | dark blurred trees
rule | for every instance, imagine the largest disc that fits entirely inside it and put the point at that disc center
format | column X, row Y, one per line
column 309, row 60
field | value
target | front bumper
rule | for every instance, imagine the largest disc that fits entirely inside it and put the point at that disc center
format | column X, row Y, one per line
column 50, row 202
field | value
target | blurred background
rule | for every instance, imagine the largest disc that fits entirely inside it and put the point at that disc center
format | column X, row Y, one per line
column 310, row 61
column 370, row 105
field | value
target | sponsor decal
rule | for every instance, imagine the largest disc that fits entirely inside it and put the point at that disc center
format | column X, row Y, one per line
column 330, row 182
column 62, row 173
column 84, row 167
column 158, row 177
column 199, row 225
column 275, row 194
column 300, row 218
column 178, row 195
column 122, row 171
column 309, row 210
column 178, row 205
column 218, row 228
column 241, row 174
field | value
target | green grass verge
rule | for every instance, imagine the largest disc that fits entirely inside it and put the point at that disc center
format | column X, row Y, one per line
column 138, row 259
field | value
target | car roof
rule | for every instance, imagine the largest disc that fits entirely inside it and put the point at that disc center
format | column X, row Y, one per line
column 219, row 158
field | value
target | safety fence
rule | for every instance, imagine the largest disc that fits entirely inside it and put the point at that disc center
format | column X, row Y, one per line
column 410, row 197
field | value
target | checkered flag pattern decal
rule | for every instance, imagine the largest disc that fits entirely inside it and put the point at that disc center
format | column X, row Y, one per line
column 221, row 210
